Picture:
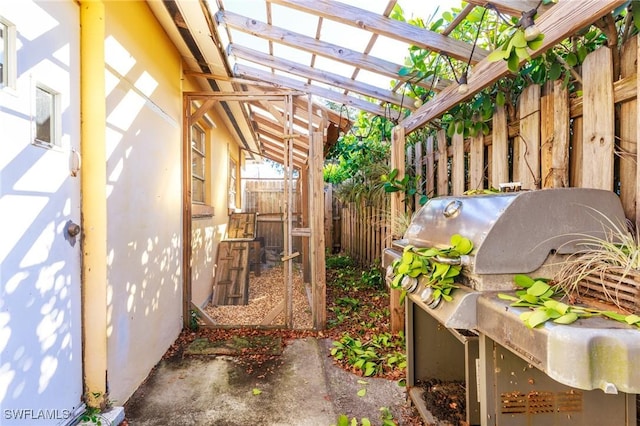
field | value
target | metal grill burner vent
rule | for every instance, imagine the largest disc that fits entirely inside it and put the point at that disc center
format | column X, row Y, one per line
column 541, row 402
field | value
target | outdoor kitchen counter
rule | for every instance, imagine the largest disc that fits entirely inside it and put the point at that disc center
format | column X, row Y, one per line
column 592, row 353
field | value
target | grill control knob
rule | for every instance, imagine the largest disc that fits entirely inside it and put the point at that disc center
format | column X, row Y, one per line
column 427, row 297
column 409, row 283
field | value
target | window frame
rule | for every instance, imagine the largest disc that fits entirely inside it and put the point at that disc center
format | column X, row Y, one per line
column 8, row 71
column 232, row 184
column 203, row 157
column 55, row 119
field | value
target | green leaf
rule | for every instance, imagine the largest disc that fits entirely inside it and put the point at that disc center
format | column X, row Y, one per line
column 522, row 53
column 539, row 316
column 530, row 298
column 632, row 319
column 615, row 316
column 362, row 392
column 404, row 71
column 572, row 59
column 500, row 99
column 497, row 55
column 513, row 63
column 508, row 297
column 256, row 391
column 523, row 281
column 365, row 422
column 567, row 318
column 555, row 71
column 518, row 39
column 536, row 43
column 538, row 288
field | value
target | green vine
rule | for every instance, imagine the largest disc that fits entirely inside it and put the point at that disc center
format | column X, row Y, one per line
column 425, row 261
column 544, row 303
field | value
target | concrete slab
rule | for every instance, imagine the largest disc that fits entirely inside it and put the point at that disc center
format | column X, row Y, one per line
column 303, row 387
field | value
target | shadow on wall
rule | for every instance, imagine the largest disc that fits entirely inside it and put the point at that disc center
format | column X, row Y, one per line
column 144, row 211
column 40, row 329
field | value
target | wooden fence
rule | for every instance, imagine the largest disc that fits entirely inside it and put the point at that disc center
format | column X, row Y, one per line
column 546, row 140
column 266, row 197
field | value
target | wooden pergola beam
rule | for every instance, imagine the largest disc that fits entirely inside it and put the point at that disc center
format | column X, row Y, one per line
column 560, row 21
column 315, row 74
column 361, row 104
column 299, row 116
column 382, row 25
column 299, row 41
column 510, row 7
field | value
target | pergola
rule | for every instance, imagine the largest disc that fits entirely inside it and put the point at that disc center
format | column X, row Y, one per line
column 250, row 57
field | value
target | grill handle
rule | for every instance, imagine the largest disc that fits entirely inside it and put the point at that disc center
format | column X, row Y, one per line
column 462, row 260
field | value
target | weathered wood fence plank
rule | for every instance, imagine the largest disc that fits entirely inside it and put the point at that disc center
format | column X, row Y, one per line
column 598, row 120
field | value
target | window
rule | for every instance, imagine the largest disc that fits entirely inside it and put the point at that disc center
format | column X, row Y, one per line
column 232, row 184
column 46, row 117
column 198, row 163
column 7, row 54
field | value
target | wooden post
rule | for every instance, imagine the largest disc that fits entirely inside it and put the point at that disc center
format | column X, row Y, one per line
column 316, row 205
column 529, row 140
column 499, row 148
column 430, row 170
column 457, row 167
column 476, row 162
column 546, row 135
column 397, row 212
column 304, row 203
column 418, row 162
column 443, row 164
column 328, row 216
column 560, row 149
column 628, row 134
column 598, row 116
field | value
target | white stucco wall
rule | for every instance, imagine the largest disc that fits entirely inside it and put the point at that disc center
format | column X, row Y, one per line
column 144, row 246
column 40, row 330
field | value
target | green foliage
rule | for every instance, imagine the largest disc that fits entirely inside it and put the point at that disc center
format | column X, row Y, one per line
column 544, row 303
column 409, row 185
column 357, row 154
column 339, row 261
column 506, row 40
column 426, row 261
column 367, row 357
column 194, row 322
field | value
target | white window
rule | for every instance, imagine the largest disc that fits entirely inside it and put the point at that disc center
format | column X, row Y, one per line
column 7, row 54
column 198, row 164
column 46, row 117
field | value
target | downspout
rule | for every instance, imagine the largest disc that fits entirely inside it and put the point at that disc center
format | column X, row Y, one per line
column 93, row 202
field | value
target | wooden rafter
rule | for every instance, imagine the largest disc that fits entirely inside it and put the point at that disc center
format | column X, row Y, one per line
column 310, row 44
column 361, row 104
column 378, row 24
column 314, row 74
column 510, row 7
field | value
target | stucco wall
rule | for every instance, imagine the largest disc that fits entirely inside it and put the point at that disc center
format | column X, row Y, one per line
column 144, row 103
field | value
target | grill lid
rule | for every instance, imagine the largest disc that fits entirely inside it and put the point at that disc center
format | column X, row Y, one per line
column 515, row 232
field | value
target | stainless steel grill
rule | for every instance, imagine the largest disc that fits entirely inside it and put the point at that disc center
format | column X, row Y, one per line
column 516, row 375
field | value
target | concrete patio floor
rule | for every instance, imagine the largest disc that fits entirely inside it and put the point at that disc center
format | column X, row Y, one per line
column 303, row 387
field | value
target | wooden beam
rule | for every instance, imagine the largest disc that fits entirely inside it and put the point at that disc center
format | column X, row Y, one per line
column 391, row 28
column 316, row 74
column 201, row 111
column 309, row 44
column 510, row 7
column 298, row 113
column 273, row 126
column 397, row 213
column 317, row 242
column 249, row 72
column 560, row 21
